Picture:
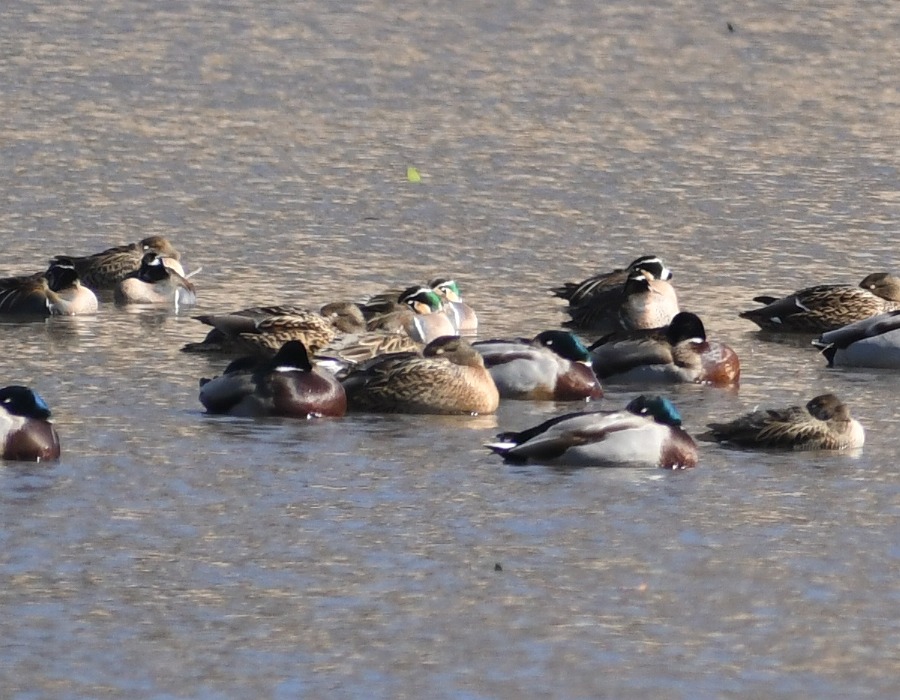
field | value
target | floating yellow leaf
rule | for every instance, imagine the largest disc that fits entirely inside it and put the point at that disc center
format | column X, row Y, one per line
column 412, row 174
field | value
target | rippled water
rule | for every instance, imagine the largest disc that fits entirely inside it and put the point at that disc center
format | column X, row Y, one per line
column 173, row 554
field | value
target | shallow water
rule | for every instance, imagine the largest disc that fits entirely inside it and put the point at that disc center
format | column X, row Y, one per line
column 174, row 554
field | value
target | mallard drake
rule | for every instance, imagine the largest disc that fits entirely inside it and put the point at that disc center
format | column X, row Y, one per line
column 418, row 312
column 155, row 283
column 26, row 433
column 553, row 366
column 678, row 353
column 56, row 292
column 825, row 424
column 448, row 377
column 262, row 330
column 647, row 433
column 596, row 304
column 106, row 269
column 463, row 316
column 827, row 307
column 285, row 385
column 872, row 342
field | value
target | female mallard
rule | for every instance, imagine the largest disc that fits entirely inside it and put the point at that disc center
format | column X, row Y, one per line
column 106, row 269
column 26, row 432
column 678, row 353
column 418, row 312
column 596, row 304
column 356, row 348
column 872, row 342
column 647, row 433
column 56, row 292
column 262, row 330
column 155, row 283
column 827, row 307
column 448, row 377
column 553, row 366
column 825, row 424
column 286, row 385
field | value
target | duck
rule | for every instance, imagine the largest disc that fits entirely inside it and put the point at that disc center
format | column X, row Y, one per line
column 56, row 292
column 824, row 424
column 677, row 353
column 106, row 269
column 155, row 283
column 418, row 311
column 827, row 307
column 286, row 385
column 463, row 316
column 596, row 303
column 447, row 377
column 262, row 330
column 553, row 366
column 648, row 433
column 647, row 303
column 352, row 349
column 26, row 433
column 873, row 342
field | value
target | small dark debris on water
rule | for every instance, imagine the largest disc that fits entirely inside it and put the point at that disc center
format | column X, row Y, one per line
column 497, row 567
column 730, row 26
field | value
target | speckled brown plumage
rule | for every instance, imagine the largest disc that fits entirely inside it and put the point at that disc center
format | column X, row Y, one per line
column 448, row 377
column 262, row 330
column 823, row 424
column 104, row 270
column 827, row 307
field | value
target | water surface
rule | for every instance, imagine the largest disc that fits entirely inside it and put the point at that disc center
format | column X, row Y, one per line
column 173, row 554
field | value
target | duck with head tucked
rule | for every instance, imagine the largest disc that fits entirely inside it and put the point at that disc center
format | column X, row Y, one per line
column 108, row 268
column 826, row 307
column 639, row 296
column 824, row 423
column 448, row 377
column 286, row 385
column 262, row 330
column 678, row 353
column 553, row 366
column 155, row 283
column 56, row 292
column 26, row 433
column 647, row 433
column 873, row 342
